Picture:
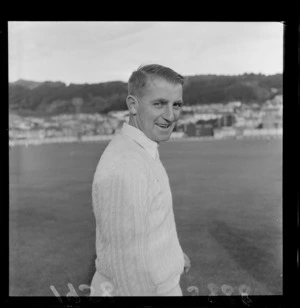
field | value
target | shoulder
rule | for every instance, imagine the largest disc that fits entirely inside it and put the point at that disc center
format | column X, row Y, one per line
column 121, row 161
column 126, row 171
column 122, row 147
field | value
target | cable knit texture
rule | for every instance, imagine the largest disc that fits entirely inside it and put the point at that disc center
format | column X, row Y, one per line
column 137, row 245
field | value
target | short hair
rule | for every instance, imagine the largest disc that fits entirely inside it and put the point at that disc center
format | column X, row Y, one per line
column 139, row 78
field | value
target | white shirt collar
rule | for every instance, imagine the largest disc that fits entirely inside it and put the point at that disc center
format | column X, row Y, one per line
column 138, row 136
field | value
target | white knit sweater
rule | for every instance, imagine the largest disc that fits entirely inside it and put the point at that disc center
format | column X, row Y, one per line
column 137, row 246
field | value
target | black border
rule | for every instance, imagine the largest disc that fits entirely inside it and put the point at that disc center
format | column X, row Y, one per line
column 4, row 155
column 290, row 160
column 290, row 196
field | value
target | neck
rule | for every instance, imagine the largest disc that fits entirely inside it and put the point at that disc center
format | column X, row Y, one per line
column 133, row 122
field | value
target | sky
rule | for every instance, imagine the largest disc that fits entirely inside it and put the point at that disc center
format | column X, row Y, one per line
column 93, row 52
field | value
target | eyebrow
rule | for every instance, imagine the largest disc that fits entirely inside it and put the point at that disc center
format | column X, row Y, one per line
column 164, row 101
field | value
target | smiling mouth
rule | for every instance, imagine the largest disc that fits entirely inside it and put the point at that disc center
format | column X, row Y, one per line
column 163, row 125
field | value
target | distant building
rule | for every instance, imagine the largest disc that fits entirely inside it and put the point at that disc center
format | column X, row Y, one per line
column 26, row 134
column 250, row 122
column 271, row 120
column 278, row 99
column 228, row 120
column 68, row 132
column 272, row 113
column 53, row 132
column 198, row 130
column 100, row 130
column 120, row 115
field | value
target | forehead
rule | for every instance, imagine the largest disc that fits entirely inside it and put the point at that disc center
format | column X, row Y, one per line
column 157, row 87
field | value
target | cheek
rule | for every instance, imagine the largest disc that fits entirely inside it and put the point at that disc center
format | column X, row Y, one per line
column 149, row 121
column 177, row 114
column 150, row 116
column 153, row 116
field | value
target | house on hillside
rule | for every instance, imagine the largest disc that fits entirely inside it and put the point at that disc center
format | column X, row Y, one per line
column 68, row 132
column 228, row 119
column 198, row 130
column 53, row 132
column 272, row 115
column 225, row 119
column 271, row 120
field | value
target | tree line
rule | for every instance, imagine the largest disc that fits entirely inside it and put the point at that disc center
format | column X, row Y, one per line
column 56, row 97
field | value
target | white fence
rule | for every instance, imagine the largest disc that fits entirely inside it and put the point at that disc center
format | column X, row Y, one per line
column 60, row 140
column 263, row 132
column 176, row 136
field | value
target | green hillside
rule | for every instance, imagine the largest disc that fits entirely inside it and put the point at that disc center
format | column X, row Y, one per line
column 56, row 97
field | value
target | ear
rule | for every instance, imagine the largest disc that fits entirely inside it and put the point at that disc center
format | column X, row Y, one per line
column 132, row 104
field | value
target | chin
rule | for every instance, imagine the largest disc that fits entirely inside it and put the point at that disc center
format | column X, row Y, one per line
column 164, row 139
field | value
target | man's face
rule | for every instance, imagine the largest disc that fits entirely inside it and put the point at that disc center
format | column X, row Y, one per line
column 159, row 109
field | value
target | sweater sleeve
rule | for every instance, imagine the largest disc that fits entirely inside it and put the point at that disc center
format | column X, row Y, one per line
column 122, row 192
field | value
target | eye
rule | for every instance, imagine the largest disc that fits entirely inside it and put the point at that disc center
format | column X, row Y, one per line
column 178, row 105
column 157, row 104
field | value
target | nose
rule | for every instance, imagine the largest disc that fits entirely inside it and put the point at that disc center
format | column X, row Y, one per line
column 169, row 114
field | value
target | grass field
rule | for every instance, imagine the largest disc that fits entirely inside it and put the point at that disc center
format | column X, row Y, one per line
column 227, row 203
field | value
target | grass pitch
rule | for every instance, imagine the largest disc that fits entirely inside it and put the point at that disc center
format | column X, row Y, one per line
column 227, row 198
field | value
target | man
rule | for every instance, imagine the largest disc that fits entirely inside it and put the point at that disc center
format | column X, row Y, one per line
column 138, row 252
